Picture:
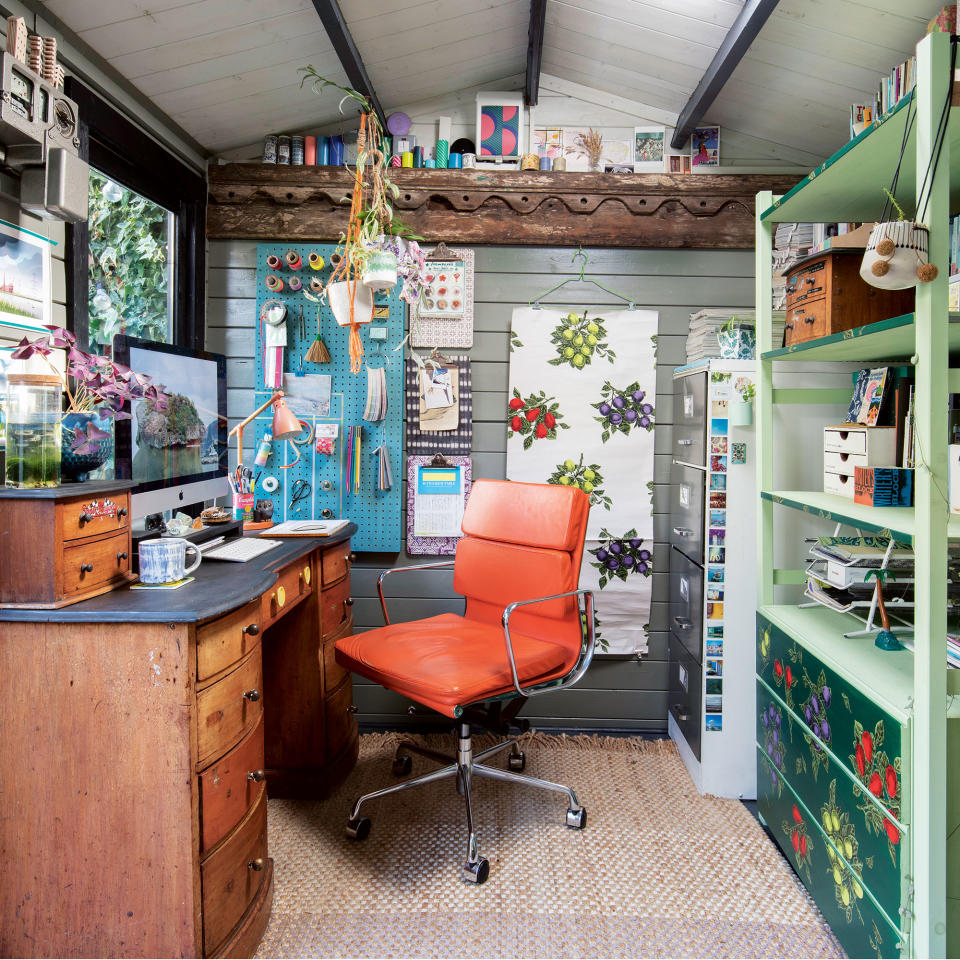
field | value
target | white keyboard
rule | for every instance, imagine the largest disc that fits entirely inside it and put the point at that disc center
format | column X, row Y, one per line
column 239, row 549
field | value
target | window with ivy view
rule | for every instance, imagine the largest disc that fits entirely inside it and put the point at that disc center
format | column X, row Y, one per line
column 131, row 264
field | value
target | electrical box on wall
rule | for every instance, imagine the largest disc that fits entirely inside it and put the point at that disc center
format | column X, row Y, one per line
column 39, row 134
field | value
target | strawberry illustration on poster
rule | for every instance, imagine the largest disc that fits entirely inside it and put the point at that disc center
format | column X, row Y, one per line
column 581, row 412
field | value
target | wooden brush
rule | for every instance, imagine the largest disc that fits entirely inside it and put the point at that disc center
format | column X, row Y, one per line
column 318, row 352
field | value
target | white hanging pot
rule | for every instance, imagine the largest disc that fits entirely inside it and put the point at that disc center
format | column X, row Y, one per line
column 380, row 271
column 897, row 256
column 339, row 297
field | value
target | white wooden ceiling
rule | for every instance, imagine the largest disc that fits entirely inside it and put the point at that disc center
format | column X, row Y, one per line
column 226, row 70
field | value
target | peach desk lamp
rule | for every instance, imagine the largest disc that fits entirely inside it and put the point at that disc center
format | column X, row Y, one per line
column 285, row 425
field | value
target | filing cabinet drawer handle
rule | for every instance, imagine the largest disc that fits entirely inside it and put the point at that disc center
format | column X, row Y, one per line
column 251, row 629
column 683, row 623
column 121, row 556
column 685, row 443
column 682, row 531
column 257, row 776
column 678, row 709
column 86, row 568
column 252, row 695
column 257, row 864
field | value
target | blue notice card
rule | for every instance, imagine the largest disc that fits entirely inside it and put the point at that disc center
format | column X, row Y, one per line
column 439, row 481
column 438, row 503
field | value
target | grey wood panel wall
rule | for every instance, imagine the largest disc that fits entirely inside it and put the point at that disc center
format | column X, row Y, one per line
column 615, row 694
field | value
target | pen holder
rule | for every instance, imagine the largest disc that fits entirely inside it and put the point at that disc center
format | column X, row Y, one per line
column 243, row 504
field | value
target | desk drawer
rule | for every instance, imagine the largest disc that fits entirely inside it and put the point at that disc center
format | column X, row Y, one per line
column 335, row 608
column 231, row 876
column 333, row 673
column 228, row 708
column 230, row 787
column 227, row 640
column 335, row 563
column 843, row 463
column 805, row 321
column 293, row 582
column 341, row 720
column 839, row 484
column 93, row 563
column 96, row 516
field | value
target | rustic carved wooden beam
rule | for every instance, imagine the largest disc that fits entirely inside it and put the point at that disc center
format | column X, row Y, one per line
column 261, row 202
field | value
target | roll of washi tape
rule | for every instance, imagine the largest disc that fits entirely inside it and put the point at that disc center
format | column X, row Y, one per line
column 270, row 148
column 283, row 149
column 310, row 151
column 469, row 161
column 529, row 161
column 316, row 285
column 335, row 259
column 441, row 153
column 395, row 161
column 454, row 161
column 323, row 151
column 274, row 263
column 293, row 260
column 429, row 162
column 545, row 163
column 296, row 151
column 295, row 284
column 418, row 156
column 336, row 151
column 560, row 163
column 275, row 284
column 406, row 159
column 270, row 484
column 315, row 261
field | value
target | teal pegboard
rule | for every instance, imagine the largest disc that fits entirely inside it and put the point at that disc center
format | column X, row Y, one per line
column 377, row 513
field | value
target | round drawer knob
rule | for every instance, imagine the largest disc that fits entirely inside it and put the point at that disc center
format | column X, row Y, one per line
column 121, row 557
column 351, row 559
column 281, row 596
column 352, row 708
column 122, row 512
column 251, row 695
column 251, row 629
column 257, row 776
column 257, row 864
column 306, row 575
column 86, row 568
column 84, row 518
column 412, row 711
column 348, row 602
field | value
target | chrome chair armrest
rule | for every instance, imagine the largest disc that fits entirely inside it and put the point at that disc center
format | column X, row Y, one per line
column 386, row 573
column 585, row 609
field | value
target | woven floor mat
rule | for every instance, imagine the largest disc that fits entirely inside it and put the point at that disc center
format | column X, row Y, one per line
column 659, row 870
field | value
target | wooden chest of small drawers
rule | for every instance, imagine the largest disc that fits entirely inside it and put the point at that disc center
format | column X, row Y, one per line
column 64, row 544
column 826, row 294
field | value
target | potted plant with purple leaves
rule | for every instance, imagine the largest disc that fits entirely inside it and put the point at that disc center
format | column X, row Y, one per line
column 96, row 390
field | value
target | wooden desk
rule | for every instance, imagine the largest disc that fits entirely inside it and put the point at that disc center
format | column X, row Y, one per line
column 141, row 732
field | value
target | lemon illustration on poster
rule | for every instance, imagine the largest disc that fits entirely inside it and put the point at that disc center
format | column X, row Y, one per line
column 581, row 412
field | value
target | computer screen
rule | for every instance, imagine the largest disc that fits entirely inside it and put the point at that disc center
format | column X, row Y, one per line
column 176, row 456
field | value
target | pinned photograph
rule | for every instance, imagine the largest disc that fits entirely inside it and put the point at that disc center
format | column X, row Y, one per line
column 718, row 481
column 716, row 555
column 648, row 149
column 714, row 668
column 714, row 648
column 717, row 536
column 715, row 575
column 705, row 147
column 714, row 721
column 718, row 427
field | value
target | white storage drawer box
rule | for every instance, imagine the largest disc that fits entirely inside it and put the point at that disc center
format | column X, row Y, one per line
column 851, row 445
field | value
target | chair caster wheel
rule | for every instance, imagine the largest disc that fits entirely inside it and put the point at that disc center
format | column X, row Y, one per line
column 402, row 766
column 517, row 762
column 477, row 872
column 577, row 819
column 358, row 828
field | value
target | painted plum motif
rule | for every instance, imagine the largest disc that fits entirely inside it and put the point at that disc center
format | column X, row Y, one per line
column 773, row 744
column 586, row 476
column 535, row 417
column 622, row 410
column 880, row 778
column 578, row 339
column 819, row 698
column 621, row 557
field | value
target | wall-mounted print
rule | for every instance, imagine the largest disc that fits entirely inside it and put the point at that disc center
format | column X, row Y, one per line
column 715, row 575
column 548, row 142
column 443, row 317
column 713, row 721
column 678, row 164
column 705, row 147
column 500, row 125
column 718, row 427
column 714, row 668
column 718, row 481
column 648, row 149
column 24, row 279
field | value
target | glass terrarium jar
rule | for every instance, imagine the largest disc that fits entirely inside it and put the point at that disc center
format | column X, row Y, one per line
column 33, row 411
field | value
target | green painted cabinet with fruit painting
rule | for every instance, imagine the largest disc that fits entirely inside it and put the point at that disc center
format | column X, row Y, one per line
column 830, row 788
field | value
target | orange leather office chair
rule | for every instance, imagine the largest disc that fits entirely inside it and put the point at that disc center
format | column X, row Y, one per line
column 526, row 630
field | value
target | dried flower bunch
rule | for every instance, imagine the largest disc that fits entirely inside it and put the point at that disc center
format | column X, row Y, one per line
column 591, row 143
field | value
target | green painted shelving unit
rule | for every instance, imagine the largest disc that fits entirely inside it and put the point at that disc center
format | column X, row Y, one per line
column 912, row 688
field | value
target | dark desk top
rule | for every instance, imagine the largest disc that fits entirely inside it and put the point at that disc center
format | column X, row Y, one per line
column 219, row 586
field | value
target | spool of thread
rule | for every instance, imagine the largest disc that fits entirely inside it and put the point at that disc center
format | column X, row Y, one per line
column 296, row 151
column 274, row 284
column 310, row 151
column 270, row 148
column 560, row 163
column 441, row 153
column 274, row 263
column 336, row 151
column 529, row 161
column 335, row 259
column 469, row 161
column 315, row 261
column 295, row 284
column 323, row 151
column 406, row 159
column 545, row 163
column 412, row 140
column 283, row 149
column 455, row 161
column 429, row 163
column 395, row 161
column 316, row 285
column 418, row 156
column 293, row 260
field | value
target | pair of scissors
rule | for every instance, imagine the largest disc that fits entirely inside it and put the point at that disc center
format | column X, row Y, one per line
column 299, row 493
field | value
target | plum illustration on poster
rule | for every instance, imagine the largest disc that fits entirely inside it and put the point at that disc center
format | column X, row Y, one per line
column 581, row 412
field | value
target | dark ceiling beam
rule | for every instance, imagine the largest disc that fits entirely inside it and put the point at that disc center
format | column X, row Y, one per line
column 346, row 50
column 538, row 17
column 735, row 44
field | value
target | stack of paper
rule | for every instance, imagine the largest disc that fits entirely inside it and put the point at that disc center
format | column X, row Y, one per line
column 702, row 333
column 791, row 242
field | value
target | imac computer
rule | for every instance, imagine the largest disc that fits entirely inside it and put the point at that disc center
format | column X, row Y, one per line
column 176, row 457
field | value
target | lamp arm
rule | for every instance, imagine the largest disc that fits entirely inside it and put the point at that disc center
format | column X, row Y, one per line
column 585, row 611
column 256, row 413
column 417, row 566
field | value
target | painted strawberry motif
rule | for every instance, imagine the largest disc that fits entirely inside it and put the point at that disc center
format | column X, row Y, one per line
column 796, row 814
column 875, row 784
column 549, row 421
column 795, row 840
column 803, row 844
column 890, row 775
column 516, row 404
column 533, row 414
column 778, row 668
column 861, row 765
column 867, row 741
column 515, row 424
column 893, row 834
column 789, row 678
column 541, row 430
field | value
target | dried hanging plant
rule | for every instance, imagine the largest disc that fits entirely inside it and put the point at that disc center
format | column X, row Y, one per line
column 591, row 143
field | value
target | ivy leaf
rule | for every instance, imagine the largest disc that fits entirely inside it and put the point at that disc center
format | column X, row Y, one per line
column 528, row 442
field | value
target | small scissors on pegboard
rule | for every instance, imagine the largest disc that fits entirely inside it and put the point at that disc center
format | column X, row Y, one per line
column 299, row 493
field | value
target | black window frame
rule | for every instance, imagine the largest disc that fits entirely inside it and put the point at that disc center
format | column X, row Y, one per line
column 122, row 151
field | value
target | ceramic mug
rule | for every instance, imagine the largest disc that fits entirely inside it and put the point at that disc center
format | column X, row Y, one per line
column 164, row 560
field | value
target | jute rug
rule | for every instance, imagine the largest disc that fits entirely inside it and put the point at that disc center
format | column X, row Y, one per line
column 659, row 870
